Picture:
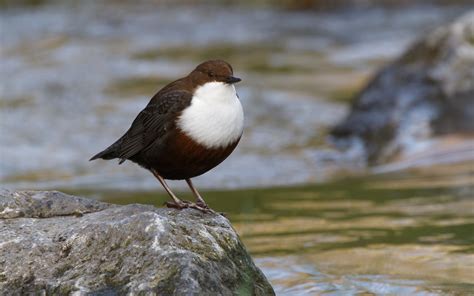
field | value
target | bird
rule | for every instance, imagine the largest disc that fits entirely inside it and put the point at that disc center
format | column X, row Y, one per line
column 188, row 127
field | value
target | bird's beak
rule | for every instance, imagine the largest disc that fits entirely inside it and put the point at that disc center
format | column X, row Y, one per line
column 232, row 80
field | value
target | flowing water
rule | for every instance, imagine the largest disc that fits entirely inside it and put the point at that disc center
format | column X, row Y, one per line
column 74, row 76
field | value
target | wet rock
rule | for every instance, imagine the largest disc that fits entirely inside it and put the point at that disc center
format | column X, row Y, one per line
column 427, row 92
column 44, row 204
column 89, row 247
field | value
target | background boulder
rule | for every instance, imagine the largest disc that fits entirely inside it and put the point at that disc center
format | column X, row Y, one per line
column 428, row 91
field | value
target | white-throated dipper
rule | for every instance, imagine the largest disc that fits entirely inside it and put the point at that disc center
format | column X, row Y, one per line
column 189, row 127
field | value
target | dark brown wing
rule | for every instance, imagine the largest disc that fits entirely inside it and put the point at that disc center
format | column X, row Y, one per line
column 152, row 122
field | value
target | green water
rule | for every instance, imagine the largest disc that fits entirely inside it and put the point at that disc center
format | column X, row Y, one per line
column 399, row 234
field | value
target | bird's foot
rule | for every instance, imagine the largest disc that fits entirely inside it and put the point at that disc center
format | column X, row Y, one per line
column 204, row 205
column 184, row 204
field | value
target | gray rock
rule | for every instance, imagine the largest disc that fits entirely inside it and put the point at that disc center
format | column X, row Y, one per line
column 428, row 91
column 44, row 204
column 53, row 243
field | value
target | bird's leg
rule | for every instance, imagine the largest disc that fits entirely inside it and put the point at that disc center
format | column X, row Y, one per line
column 176, row 203
column 199, row 200
column 181, row 204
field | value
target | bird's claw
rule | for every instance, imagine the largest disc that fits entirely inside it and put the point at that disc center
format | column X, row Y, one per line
column 177, row 205
column 202, row 204
column 189, row 205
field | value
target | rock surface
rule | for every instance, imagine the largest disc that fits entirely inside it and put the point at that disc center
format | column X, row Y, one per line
column 428, row 91
column 59, row 244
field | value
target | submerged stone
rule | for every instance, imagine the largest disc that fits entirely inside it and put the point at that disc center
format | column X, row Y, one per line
column 55, row 243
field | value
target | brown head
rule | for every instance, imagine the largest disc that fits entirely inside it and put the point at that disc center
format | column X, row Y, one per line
column 214, row 70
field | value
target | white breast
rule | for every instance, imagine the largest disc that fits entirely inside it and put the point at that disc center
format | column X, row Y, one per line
column 215, row 117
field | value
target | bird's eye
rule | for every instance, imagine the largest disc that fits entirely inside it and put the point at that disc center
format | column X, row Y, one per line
column 211, row 74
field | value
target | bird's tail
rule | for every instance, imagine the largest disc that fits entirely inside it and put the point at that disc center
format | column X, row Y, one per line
column 109, row 153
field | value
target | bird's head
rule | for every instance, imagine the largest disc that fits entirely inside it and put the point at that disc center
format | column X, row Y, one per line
column 215, row 70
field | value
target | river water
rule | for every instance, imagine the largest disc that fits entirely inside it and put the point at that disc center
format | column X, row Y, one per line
column 74, row 76
column 407, row 233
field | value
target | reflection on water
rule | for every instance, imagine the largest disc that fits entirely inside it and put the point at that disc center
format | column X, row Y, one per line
column 358, row 235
